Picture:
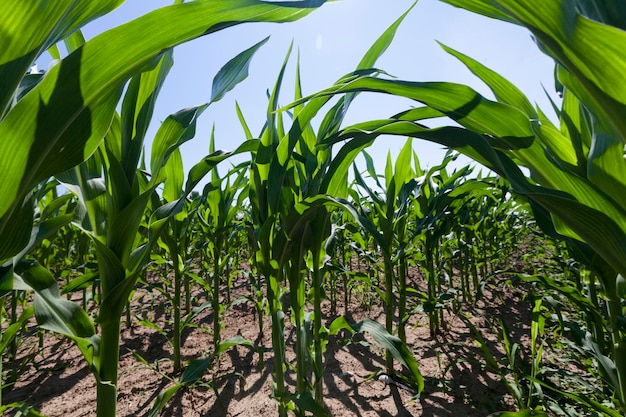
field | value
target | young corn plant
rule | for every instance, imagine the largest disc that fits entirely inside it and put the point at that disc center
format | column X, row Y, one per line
column 290, row 178
column 175, row 240
column 288, row 235
column 221, row 204
column 391, row 210
column 443, row 205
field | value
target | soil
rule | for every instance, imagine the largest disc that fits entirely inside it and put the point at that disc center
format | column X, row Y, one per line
column 57, row 382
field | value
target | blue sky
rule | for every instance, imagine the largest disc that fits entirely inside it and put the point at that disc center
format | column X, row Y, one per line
column 331, row 42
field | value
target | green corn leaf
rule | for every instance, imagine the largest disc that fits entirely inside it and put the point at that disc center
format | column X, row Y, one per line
column 8, row 280
column 162, row 399
column 63, row 119
column 337, row 175
column 53, row 312
column 234, row 72
column 109, row 266
column 591, row 226
column 86, row 184
column 44, row 230
column 82, row 282
column 22, row 410
column 391, row 343
column 363, row 221
column 589, row 49
column 272, row 136
column 177, row 129
column 581, row 399
column 26, row 84
column 508, row 126
column 17, row 224
column 74, row 41
column 418, row 113
column 198, row 171
column 574, row 124
column 388, row 171
column 375, row 197
column 306, row 402
column 605, row 162
column 484, row 7
column 334, row 183
column 29, row 29
column 56, row 314
column 10, row 332
column 242, row 121
column 175, row 174
column 579, row 219
column 235, row 341
column 137, row 110
column 505, row 91
column 381, row 44
column 403, row 172
column 193, row 372
column 53, row 207
column 122, row 229
column 480, row 341
column 469, row 143
column 113, row 304
column 119, row 189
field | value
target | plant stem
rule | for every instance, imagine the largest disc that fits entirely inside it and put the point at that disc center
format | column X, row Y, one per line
column 430, row 276
column 297, row 291
column 176, row 309
column 402, row 299
column 13, row 319
column 106, row 390
column 614, row 308
column 278, row 338
column 216, row 295
column 187, row 294
column 317, row 326
column 389, row 307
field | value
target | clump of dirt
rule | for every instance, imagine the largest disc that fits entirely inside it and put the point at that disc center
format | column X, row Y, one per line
column 239, row 383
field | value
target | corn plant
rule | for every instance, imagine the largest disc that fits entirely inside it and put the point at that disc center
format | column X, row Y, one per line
column 290, row 179
column 221, row 203
column 284, row 235
column 176, row 243
column 176, row 237
column 575, row 182
column 341, row 247
column 63, row 121
column 391, row 210
column 83, row 89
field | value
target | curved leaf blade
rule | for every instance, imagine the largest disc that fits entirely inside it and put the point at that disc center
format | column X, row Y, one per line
column 63, row 119
column 234, row 72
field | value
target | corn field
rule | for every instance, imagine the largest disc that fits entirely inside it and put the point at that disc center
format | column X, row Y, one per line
column 102, row 239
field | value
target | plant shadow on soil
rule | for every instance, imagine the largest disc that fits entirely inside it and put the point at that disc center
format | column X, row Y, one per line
column 457, row 383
